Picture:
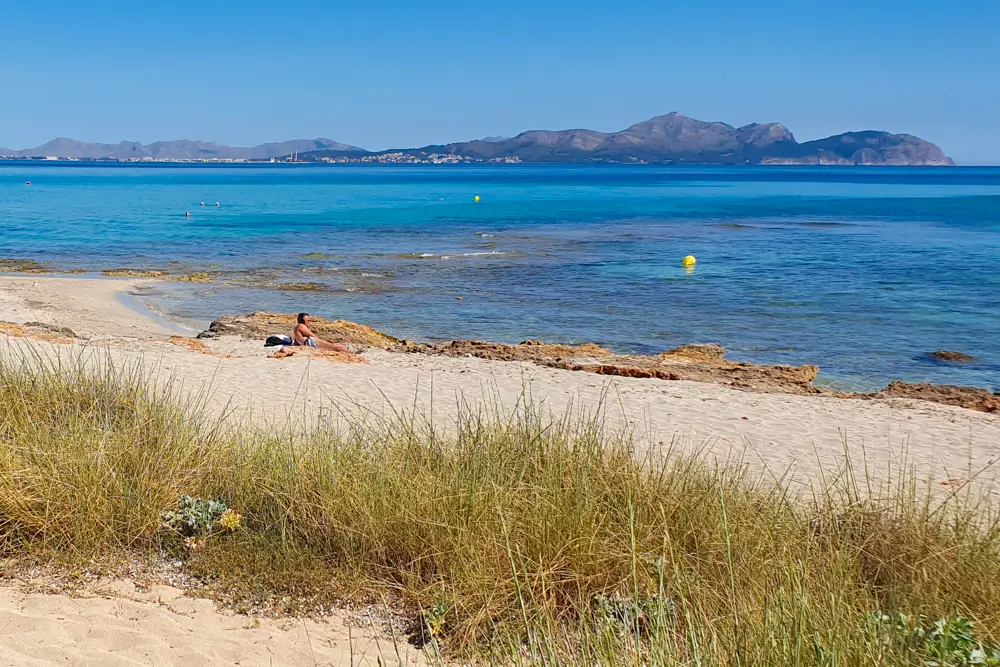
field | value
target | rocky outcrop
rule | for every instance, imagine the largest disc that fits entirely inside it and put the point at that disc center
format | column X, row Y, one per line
column 972, row 398
column 260, row 325
column 196, row 277
column 699, row 367
column 699, row 363
column 696, row 352
column 705, row 362
column 135, row 273
column 530, row 350
column 13, row 265
column 951, row 355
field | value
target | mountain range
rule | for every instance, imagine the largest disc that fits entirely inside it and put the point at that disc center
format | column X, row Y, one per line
column 668, row 139
column 182, row 149
column 678, row 139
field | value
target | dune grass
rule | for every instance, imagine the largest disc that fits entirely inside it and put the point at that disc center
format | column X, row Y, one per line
column 512, row 539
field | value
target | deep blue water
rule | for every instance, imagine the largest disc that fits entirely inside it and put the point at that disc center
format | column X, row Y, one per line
column 861, row 271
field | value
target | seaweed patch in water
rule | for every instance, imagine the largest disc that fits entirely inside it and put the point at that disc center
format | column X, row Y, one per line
column 135, row 273
column 8, row 265
column 196, row 277
column 321, row 255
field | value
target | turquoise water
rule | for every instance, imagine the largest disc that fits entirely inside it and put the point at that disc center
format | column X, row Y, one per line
column 861, row 271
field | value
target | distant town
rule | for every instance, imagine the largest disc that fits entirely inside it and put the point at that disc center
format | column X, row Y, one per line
column 394, row 157
column 400, row 157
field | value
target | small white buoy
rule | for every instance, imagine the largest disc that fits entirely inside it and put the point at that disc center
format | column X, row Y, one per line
column 203, row 203
column 216, row 203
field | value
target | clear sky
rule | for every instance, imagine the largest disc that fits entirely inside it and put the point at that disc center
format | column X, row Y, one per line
column 411, row 72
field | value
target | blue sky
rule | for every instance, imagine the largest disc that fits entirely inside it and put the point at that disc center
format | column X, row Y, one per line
column 384, row 74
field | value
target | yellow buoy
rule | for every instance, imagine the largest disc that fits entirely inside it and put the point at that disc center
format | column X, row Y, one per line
column 476, row 198
column 689, row 260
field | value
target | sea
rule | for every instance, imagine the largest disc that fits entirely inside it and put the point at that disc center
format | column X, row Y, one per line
column 861, row 271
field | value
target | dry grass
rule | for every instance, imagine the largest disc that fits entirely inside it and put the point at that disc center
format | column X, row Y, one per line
column 515, row 538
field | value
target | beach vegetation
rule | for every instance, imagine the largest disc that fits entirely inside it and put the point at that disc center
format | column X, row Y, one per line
column 514, row 537
column 198, row 516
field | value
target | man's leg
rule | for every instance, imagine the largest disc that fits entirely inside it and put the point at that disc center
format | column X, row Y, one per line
column 325, row 345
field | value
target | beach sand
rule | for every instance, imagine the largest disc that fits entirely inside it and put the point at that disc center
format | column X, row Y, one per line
column 119, row 625
column 798, row 437
column 774, row 430
column 92, row 308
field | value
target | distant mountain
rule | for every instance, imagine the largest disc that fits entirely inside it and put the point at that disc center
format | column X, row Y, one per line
column 867, row 147
column 669, row 139
column 183, row 149
column 677, row 139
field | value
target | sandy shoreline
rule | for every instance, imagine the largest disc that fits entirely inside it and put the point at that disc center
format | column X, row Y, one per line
column 777, row 432
column 91, row 307
column 781, row 431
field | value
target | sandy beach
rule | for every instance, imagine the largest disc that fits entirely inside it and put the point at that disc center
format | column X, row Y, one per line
column 116, row 624
column 92, row 308
column 778, row 431
column 804, row 434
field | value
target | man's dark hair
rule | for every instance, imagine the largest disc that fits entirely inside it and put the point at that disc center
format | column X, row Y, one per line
column 302, row 317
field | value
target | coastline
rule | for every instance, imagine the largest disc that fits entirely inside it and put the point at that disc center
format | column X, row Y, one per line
column 804, row 432
column 91, row 307
column 139, row 304
column 452, row 268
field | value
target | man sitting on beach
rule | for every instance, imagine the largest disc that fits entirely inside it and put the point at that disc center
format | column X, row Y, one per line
column 304, row 336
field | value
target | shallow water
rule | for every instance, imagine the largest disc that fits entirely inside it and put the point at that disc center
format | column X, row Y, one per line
column 861, row 271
